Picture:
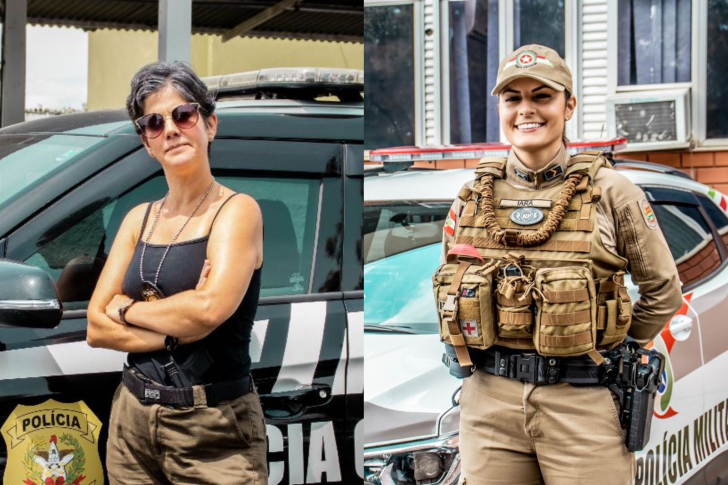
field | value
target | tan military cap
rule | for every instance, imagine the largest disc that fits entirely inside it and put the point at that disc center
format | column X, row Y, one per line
column 537, row 62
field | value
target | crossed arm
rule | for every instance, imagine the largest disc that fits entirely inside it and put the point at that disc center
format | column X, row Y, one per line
column 234, row 250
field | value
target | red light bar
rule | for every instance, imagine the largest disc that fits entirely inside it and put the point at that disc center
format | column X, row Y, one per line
column 479, row 150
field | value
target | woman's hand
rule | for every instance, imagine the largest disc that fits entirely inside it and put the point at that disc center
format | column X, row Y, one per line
column 112, row 309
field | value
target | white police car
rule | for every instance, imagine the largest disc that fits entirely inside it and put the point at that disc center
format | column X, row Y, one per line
column 410, row 397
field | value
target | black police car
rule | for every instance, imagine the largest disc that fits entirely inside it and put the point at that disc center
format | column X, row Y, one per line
column 66, row 184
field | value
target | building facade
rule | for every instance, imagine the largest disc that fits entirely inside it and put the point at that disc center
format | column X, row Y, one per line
column 649, row 71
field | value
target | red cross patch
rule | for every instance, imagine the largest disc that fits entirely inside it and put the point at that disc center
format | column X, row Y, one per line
column 469, row 328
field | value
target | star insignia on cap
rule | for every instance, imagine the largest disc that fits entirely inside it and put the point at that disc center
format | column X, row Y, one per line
column 526, row 59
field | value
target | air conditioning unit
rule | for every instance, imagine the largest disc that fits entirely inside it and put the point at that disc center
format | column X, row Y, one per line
column 650, row 120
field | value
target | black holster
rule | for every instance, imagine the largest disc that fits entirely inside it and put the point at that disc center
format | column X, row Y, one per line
column 636, row 387
column 450, row 359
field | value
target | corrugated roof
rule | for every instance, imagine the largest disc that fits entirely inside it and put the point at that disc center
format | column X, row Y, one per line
column 338, row 20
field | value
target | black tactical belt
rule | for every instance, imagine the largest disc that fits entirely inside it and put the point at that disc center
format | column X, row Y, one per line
column 537, row 369
column 149, row 392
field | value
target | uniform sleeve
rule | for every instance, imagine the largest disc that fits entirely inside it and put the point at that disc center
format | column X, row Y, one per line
column 448, row 230
column 650, row 264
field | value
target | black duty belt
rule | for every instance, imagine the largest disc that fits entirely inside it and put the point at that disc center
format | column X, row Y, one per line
column 538, row 369
column 149, row 392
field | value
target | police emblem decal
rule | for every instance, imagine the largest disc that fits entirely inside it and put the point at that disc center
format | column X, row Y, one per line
column 53, row 443
column 527, row 216
column 648, row 214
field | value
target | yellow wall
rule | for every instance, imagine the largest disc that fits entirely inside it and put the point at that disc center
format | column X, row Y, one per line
column 115, row 55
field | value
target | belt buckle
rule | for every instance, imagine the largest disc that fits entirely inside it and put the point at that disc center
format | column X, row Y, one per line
column 524, row 368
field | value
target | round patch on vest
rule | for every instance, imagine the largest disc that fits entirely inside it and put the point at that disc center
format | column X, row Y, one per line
column 648, row 214
column 527, row 216
column 526, row 59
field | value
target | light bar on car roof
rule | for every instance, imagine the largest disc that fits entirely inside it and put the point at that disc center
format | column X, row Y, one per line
column 288, row 77
column 478, row 150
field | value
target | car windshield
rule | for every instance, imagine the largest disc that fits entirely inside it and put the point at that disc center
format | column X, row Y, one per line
column 27, row 160
column 402, row 244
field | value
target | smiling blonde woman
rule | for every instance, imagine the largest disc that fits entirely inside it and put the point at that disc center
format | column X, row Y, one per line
column 531, row 293
column 179, row 292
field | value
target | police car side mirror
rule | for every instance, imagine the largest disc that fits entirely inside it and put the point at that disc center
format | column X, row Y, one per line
column 28, row 297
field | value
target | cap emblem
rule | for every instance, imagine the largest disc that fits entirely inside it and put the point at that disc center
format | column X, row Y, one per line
column 526, row 59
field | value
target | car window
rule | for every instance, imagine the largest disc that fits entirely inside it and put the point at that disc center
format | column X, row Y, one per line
column 717, row 216
column 75, row 254
column 391, row 228
column 690, row 240
column 29, row 159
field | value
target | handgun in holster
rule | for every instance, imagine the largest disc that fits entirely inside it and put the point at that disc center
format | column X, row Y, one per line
column 641, row 377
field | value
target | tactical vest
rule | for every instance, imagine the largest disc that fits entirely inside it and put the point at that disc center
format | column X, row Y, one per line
column 550, row 286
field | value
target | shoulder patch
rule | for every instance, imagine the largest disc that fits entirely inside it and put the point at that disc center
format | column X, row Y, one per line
column 648, row 214
column 450, row 223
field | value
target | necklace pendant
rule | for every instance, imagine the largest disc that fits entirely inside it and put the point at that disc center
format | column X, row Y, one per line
column 150, row 291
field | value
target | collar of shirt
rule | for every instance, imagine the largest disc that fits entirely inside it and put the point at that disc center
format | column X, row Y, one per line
column 518, row 175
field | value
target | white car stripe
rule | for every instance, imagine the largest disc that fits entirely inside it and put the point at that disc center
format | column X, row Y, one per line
column 303, row 346
column 59, row 359
column 355, row 375
column 257, row 339
column 78, row 358
column 339, row 386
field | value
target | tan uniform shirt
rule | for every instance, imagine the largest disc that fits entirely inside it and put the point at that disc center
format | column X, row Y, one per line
column 621, row 212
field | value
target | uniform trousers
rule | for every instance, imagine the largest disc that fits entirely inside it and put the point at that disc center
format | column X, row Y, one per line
column 519, row 433
column 159, row 445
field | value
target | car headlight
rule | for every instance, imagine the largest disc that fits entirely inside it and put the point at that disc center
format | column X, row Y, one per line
column 433, row 462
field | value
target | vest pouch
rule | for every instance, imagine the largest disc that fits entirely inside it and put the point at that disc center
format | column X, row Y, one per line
column 614, row 316
column 472, row 301
column 513, row 310
column 565, row 322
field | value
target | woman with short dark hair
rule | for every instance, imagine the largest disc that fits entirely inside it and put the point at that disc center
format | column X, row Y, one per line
column 179, row 292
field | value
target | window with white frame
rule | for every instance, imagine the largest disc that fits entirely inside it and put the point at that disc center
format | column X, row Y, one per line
column 473, row 50
column 540, row 22
column 389, row 94
column 717, row 70
column 654, row 42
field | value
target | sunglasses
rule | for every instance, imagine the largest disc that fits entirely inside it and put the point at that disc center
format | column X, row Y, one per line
column 184, row 116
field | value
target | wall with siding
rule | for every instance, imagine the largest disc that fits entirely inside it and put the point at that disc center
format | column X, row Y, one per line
column 593, row 92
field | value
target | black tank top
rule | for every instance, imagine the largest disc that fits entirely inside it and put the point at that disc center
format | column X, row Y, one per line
column 225, row 353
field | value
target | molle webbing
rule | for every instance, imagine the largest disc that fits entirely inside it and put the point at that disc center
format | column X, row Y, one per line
column 512, row 237
column 495, row 166
column 552, row 245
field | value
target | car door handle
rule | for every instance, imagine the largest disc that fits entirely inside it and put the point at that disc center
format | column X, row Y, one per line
column 680, row 327
column 284, row 405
